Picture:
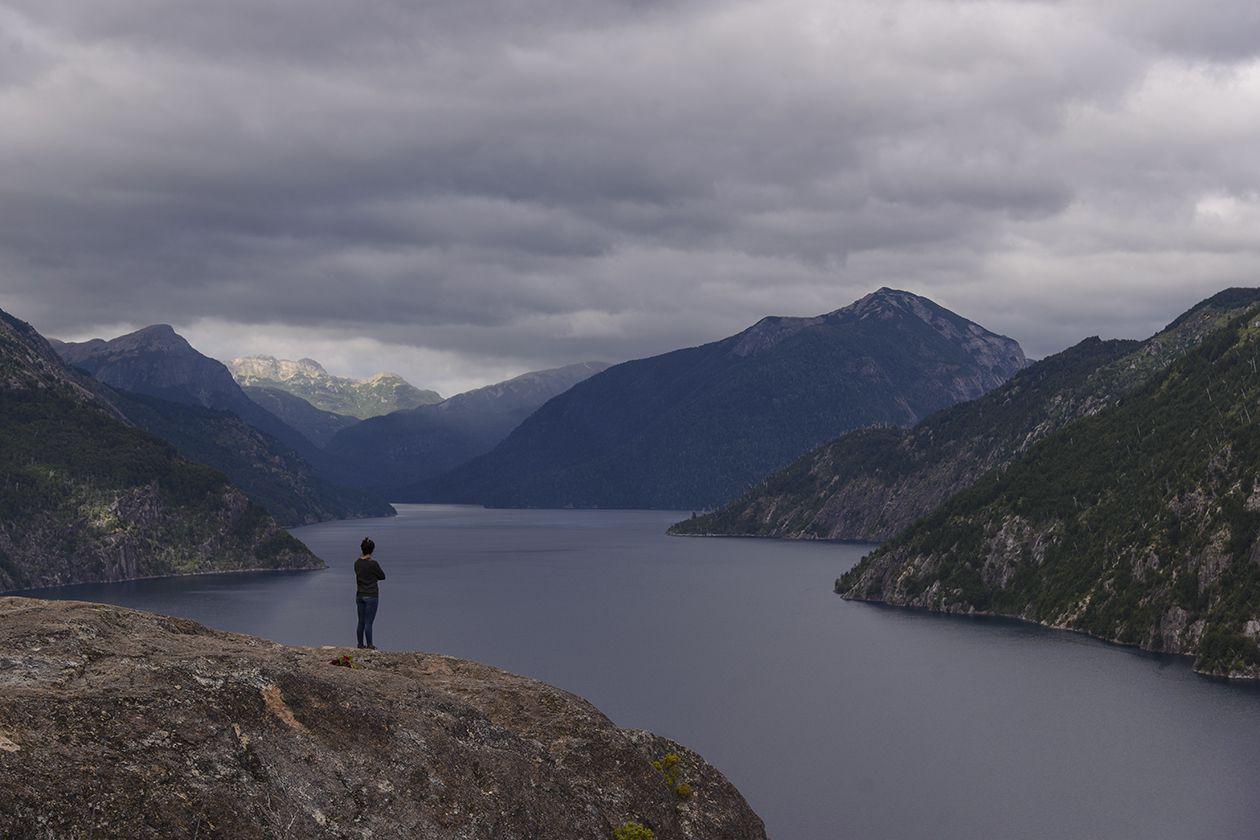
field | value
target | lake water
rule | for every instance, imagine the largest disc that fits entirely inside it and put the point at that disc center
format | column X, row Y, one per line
column 835, row 719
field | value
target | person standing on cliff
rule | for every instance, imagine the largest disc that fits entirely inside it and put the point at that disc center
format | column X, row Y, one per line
column 367, row 594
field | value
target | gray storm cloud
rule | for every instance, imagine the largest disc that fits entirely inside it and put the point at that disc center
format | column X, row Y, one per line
column 467, row 190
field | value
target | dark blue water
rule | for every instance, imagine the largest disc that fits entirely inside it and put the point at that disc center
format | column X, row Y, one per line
column 836, row 719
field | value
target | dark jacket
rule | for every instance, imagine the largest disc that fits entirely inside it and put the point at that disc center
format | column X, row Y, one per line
column 366, row 573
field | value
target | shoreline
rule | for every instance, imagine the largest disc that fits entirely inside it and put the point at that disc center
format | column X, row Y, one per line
column 835, row 541
column 1241, row 680
column 18, row 592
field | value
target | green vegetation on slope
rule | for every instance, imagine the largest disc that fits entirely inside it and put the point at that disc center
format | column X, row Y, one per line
column 1138, row 524
column 84, row 496
column 163, row 384
column 871, row 484
column 273, row 475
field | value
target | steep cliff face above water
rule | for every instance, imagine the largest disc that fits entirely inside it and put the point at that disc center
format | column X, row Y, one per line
column 165, row 386
column 1139, row 524
column 119, row 723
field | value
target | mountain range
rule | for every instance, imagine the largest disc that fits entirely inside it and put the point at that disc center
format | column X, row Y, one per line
column 87, row 496
column 399, row 449
column 696, row 427
column 871, row 484
column 315, row 424
column 1109, row 488
column 306, row 378
column 1137, row 523
column 164, row 385
column 158, row 362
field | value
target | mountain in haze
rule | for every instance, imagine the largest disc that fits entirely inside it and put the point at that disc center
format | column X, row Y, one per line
column 1137, row 524
column 315, row 424
column 86, row 496
column 870, row 484
column 164, row 380
column 399, row 449
column 696, row 427
column 306, row 378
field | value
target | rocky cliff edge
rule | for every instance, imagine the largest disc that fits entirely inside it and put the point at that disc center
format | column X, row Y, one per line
column 119, row 723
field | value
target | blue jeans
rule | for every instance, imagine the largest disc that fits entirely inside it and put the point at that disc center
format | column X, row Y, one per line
column 367, row 614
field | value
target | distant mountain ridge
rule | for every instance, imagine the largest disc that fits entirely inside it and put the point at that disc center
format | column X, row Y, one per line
column 158, row 362
column 86, row 496
column 307, row 378
column 869, row 485
column 1138, row 524
column 695, row 427
column 397, row 450
column 317, row 425
column 169, row 379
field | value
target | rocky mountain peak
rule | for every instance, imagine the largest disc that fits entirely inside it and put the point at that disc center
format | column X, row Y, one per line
column 157, row 361
column 891, row 305
column 997, row 352
column 887, row 303
column 27, row 361
column 769, row 332
column 254, row 368
column 155, row 338
column 306, row 378
column 884, row 299
column 162, row 335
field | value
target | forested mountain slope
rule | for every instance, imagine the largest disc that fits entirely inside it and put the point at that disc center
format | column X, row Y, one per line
column 870, row 484
column 173, row 384
column 273, row 475
column 86, row 496
column 1137, row 524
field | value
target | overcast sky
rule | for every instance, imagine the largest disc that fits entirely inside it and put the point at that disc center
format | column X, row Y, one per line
column 460, row 191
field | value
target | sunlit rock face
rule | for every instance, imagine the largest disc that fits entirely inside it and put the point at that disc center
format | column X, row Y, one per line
column 306, row 378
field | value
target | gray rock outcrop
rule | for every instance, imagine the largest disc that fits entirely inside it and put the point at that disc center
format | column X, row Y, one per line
column 119, row 723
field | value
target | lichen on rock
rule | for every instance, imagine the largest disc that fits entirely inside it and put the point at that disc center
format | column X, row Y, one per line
column 119, row 723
